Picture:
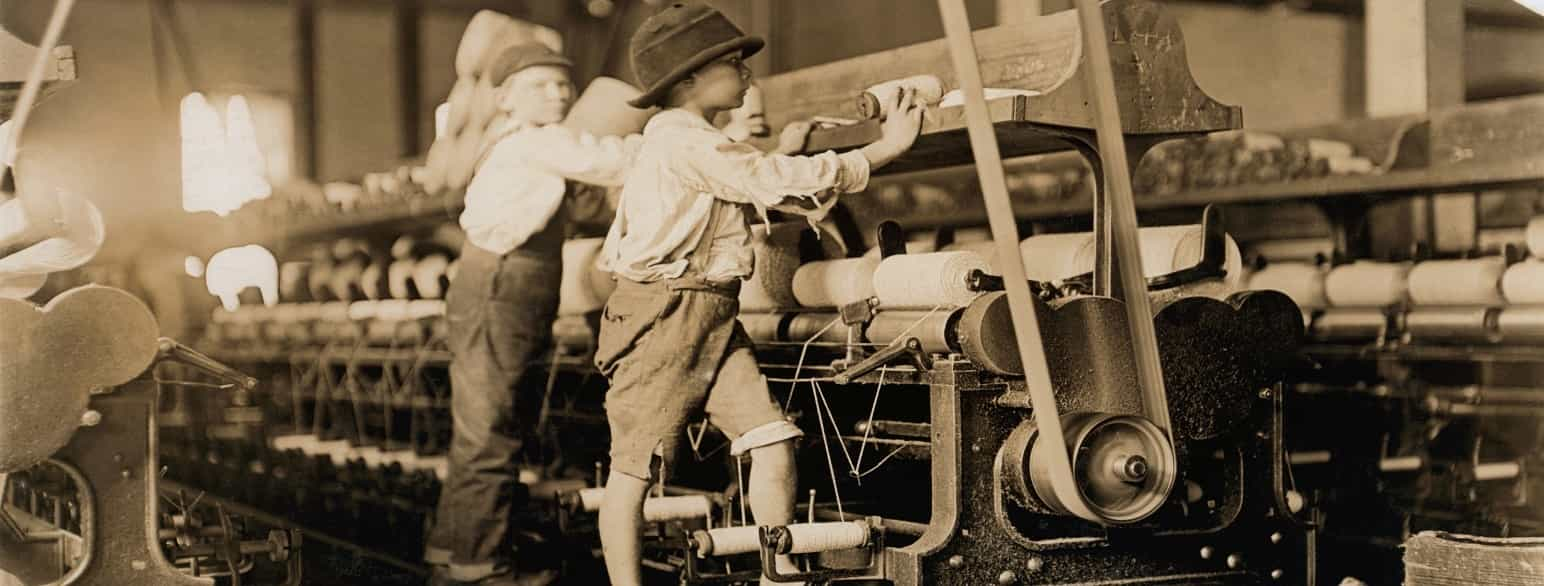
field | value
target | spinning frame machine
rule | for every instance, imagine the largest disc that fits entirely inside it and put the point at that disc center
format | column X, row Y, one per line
column 1068, row 474
column 1068, row 436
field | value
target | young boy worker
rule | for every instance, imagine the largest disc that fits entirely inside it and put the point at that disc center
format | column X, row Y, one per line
column 670, row 342
column 501, row 306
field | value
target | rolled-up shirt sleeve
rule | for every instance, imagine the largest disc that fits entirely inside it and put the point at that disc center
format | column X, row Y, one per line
column 742, row 173
column 580, row 156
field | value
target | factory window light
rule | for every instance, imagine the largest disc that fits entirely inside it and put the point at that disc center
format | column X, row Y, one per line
column 1534, row 5
column 234, row 270
column 223, row 165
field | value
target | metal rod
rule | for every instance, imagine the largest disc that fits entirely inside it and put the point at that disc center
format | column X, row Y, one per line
column 896, row 526
column 34, row 82
column 1005, row 232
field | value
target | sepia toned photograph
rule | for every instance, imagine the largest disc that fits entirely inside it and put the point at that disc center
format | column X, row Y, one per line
column 759, row 292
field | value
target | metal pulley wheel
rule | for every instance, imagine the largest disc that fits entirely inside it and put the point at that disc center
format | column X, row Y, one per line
column 1123, row 466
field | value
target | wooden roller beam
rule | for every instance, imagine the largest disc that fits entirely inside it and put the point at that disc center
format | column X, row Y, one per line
column 1147, row 51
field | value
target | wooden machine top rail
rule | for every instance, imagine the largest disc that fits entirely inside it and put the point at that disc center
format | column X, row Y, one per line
column 1045, row 55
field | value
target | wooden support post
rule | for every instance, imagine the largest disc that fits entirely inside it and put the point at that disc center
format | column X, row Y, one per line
column 408, row 62
column 763, row 14
column 303, row 19
column 1414, row 64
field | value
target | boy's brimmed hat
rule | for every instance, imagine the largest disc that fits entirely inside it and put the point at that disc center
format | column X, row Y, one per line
column 521, row 56
column 677, row 41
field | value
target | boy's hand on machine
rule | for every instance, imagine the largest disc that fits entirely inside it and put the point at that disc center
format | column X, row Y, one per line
column 898, row 130
column 793, row 137
column 905, row 120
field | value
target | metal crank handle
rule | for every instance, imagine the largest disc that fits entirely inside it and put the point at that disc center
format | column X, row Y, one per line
column 909, row 346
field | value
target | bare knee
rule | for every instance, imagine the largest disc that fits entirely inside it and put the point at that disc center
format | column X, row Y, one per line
column 624, row 492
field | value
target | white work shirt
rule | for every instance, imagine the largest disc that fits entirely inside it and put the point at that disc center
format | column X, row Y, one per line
column 519, row 187
column 684, row 164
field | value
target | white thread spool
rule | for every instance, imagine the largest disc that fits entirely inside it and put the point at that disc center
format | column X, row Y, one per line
column 668, row 508
column 831, row 536
column 1458, row 324
column 834, row 283
column 803, row 326
column 1523, row 283
column 1534, row 235
column 1309, row 458
column 770, row 286
column 286, row 313
column 426, row 308
column 1497, row 471
column 726, row 541
column 875, row 102
column 309, row 312
column 363, row 310
column 332, row 321
column 430, row 275
column 986, row 249
column 932, row 330
column 926, row 280
column 1401, row 464
column 763, row 327
column 392, row 310
column 374, row 281
column 335, row 311
column 1350, row 166
column 399, row 277
column 1303, row 282
column 1367, row 284
column 528, row 475
column 1458, row 282
column 279, row 321
column 1522, row 324
column 1165, row 249
column 1049, row 257
column 1247, row 140
column 1320, row 148
column 390, row 313
column 674, row 508
column 345, row 279
column 1349, row 324
column 576, row 290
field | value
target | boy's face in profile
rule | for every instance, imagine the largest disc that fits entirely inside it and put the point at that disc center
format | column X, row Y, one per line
column 722, row 83
column 539, row 94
